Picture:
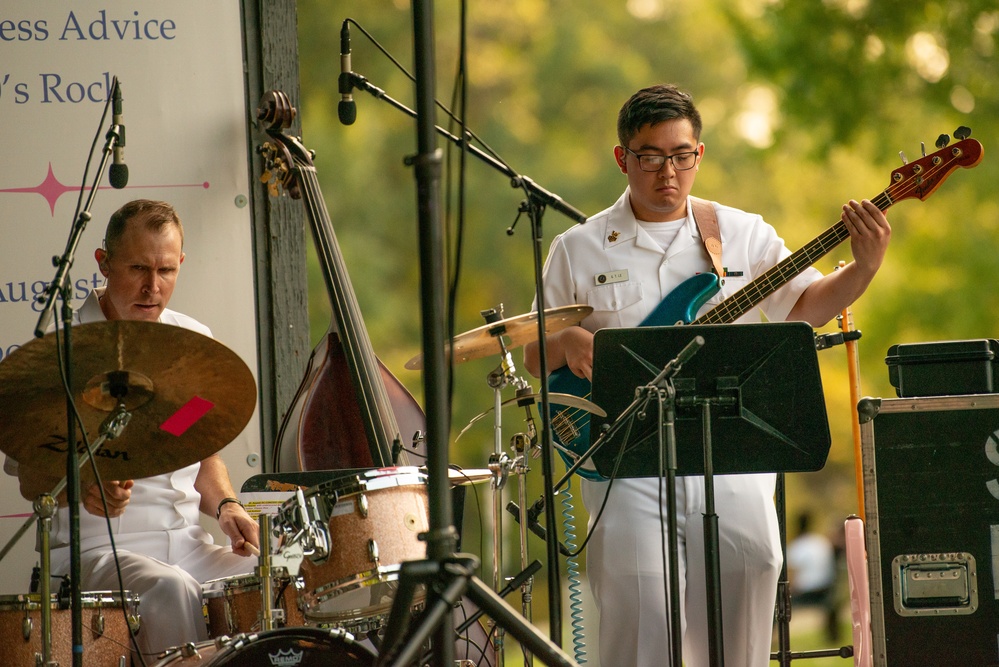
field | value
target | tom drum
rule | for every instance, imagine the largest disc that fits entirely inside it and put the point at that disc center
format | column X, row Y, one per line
column 106, row 632
column 370, row 523
column 233, row 604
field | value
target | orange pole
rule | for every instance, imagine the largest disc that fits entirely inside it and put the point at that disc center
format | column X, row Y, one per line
column 853, row 365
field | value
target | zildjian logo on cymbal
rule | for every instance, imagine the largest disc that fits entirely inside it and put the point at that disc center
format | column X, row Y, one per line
column 57, row 443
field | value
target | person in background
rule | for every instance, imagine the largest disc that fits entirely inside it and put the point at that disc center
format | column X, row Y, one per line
column 811, row 571
column 648, row 243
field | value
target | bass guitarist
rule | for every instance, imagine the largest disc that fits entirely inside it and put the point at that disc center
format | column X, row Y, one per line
column 623, row 262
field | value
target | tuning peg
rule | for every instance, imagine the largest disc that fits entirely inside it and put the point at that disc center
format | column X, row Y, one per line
column 962, row 132
column 901, row 155
column 942, row 141
column 922, row 148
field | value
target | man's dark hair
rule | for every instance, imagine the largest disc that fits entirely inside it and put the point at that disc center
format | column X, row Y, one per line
column 153, row 214
column 654, row 105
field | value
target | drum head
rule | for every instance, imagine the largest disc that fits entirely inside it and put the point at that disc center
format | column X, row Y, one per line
column 301, row 647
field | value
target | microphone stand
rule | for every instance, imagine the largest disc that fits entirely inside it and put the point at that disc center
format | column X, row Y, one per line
column 538, row 199
column 62, row 287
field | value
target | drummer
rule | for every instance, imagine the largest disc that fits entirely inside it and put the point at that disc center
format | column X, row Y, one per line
column 163, row 552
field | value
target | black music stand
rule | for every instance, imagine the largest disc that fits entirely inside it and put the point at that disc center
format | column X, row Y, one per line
column 776, row 423
column 753, row 388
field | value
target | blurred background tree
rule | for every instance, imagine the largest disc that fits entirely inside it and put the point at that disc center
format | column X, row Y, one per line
column 806, row 105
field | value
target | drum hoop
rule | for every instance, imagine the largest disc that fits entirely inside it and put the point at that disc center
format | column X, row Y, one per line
column 334, row 589
column 220, row 588
column 89, row 600
column 370, row 481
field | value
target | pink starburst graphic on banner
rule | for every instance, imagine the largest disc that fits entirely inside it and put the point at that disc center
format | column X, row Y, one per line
column 51, row 188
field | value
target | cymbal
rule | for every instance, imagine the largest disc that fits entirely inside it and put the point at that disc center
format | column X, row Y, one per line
column 188, row 396
column 517, row 331
column 554, row 398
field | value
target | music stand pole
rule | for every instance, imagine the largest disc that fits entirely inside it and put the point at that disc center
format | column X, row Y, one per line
column 712, row 570
column 665, row 393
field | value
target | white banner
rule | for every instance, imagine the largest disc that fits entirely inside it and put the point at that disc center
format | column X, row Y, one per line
column 180, row 67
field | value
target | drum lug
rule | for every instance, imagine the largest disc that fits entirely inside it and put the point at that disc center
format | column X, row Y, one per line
column 362, row 505
column 97, row 626
column 26, row 628
column 134, row 623
column 189, row 650
column 373, row 551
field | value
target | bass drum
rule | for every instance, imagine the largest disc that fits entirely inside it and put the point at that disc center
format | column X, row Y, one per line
column 301, row 647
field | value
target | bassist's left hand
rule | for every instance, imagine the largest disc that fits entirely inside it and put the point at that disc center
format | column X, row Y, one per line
column 869, row 234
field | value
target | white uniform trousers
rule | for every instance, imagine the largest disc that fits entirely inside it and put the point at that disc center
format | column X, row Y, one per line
column 625, row 567
column 162, row 587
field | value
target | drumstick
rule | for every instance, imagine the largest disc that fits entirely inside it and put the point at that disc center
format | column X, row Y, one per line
column 253, row 550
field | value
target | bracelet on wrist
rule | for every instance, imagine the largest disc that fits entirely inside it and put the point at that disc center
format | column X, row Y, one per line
column 224, row 501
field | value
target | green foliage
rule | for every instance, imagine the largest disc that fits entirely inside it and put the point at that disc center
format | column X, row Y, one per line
column 838, row 88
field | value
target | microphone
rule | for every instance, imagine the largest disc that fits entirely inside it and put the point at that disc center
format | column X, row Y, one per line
column 118, row 174
column 346, row 109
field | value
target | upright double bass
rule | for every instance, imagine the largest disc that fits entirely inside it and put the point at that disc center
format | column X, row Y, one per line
column 349, row 411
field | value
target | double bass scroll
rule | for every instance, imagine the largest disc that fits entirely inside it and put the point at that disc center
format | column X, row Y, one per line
column 350, row 411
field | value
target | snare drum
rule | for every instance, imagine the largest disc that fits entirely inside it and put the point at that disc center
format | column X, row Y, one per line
column 301, row 647
column 373, row 522
column 106, row 637
column 234, row 604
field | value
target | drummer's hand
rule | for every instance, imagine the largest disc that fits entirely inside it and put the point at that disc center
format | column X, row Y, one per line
column 240, row 528
column 117, row 494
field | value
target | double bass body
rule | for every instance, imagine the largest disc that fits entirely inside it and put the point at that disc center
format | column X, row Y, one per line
column 349, row 411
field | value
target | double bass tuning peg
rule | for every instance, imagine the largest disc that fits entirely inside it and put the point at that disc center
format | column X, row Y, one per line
column 942, row 141
column 963, row 132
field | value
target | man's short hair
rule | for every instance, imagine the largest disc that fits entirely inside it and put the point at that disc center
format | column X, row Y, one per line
column 654, row 105
column 153, row 214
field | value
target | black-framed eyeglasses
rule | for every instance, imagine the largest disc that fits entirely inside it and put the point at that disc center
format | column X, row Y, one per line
column 650, row 162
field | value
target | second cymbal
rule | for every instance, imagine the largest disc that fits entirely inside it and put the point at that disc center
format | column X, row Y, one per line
column 518, row 330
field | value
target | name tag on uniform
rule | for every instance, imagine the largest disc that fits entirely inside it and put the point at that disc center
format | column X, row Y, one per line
column 620, row 276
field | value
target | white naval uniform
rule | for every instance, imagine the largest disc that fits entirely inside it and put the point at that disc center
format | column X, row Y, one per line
column 624, row 554
column 164, row 552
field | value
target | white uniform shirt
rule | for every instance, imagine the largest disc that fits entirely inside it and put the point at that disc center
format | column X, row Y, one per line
column 167, row 502
column 613, row 241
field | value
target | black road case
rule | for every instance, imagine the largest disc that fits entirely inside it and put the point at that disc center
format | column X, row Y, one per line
column 931, row 500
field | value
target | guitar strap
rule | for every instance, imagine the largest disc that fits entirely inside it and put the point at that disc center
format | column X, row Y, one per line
column 707, row 226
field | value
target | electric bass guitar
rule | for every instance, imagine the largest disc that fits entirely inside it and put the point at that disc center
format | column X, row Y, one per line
column 914, row 180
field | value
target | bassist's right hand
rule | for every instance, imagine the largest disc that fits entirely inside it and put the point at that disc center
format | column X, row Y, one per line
column 572, row 347
column 577, row 349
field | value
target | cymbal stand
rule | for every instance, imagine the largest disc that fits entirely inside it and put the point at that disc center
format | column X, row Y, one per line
column 44, row 508
column 520, row 443
column 499, row 463
column 269, row 616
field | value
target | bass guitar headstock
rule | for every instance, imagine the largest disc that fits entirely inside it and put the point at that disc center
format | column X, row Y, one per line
column 283, row 155
column 921, row 178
